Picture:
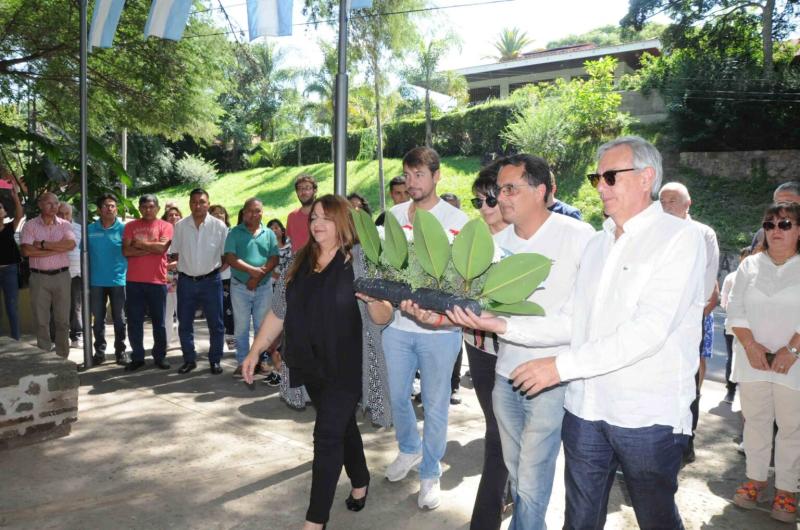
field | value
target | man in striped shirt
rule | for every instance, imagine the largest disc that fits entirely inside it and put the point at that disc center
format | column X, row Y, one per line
column 47, row 240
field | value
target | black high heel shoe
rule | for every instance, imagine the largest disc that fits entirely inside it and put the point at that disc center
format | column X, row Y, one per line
column 356, row 505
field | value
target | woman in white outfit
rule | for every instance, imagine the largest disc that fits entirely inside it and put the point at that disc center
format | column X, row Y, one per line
column 171, row 215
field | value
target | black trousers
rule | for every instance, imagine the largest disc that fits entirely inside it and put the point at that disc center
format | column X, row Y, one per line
column 488, row 510
column 337, row 443
column 731, row 386
column 455, row 379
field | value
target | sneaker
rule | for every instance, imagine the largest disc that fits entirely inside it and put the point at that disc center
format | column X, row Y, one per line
column 273, row 379
column 230, row 342
column 404, row 463
column 454, row 398
column 729, row 396
column 238, row 371
column 748, row 495
column 784, row 508
column 429, row 493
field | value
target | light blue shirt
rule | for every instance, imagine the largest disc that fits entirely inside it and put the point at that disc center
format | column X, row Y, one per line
column 107, row 264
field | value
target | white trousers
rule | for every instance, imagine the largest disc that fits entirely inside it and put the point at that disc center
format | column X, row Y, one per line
column 762, row 404
column 169, row 317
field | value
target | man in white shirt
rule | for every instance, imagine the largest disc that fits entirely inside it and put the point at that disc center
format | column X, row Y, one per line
column 199, row 241
column 67, row 212
column 431, row 349
column 530, row 429
column 632, row 327
column 675, row 200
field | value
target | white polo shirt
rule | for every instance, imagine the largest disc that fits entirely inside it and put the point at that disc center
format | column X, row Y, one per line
column 200, row 248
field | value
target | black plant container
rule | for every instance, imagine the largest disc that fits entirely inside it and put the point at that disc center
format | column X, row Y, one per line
column 396, row 292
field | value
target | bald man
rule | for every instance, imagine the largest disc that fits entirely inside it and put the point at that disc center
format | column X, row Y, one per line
column 675, row 200
column 47, row 241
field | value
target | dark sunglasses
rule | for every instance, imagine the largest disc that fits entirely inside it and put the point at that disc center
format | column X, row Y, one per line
column 783, row 224
column 609, row 176
column 491, row 202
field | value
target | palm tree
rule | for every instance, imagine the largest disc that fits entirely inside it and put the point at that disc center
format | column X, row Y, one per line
column 322, row 83
column 269, row 81
column 510, row 43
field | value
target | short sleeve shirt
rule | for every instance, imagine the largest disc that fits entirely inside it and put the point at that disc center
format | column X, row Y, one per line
column 254, row 250
column 150, row 268
column 107, row 264
column 297, row 229
column 36, row 230
column 199, row 248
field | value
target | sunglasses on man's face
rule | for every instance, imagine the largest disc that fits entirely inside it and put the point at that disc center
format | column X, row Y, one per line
column 491, row 202
column 783, row 224
column 609, row 176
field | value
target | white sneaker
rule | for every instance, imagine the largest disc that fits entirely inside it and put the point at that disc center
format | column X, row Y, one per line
column 429, row 493
column 404, row 463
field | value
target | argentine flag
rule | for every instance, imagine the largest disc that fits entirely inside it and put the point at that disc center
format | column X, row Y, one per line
column 168, row 18
column 105, row 19
column 269, row 17
column 360, row 4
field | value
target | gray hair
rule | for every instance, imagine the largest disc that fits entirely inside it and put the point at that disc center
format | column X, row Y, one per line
column 72, row 209
column 675, row 186
column 792, row 187
column 645, row 155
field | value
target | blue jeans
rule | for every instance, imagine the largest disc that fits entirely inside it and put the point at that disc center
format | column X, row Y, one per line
column 530, row 432
column 10, row 287
column 248, row 305
column 152, row 296
column 207, row 294
column 650, row 458
column 434, row 355
column 98, row 296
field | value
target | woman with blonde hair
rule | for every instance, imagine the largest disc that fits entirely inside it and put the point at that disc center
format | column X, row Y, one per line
column 341, row 364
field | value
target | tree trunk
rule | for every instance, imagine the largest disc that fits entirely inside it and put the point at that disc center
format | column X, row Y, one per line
column 428, row 133
column 379, row 130
column 300, row 151
column 766, row 36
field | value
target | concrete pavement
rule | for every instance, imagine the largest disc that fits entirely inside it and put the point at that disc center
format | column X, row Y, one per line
column 155, row 449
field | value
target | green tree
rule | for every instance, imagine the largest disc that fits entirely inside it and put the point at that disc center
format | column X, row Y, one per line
column 423, row 73
column 268, row 82
column 774, row 18
column 293, row 117
column 510, row 43
column 610, row 36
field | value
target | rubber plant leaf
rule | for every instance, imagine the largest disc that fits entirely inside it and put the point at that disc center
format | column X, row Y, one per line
column 431, row 245
column 395, row 246
column 526, row 308
column 473, row 249
column 367, row 235
column 515, row 277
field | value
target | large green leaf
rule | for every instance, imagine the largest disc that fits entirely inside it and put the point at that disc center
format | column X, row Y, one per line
column 526, row 307
column 516, row 277
column 367, row 235
column 473, row 249
column 431, row 245
column 395, row 246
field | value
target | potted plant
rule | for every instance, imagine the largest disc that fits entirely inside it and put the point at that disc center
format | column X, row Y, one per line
column 439, row 271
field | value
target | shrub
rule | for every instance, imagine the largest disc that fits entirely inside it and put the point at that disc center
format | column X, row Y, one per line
column 368, row 145
column 191, row 169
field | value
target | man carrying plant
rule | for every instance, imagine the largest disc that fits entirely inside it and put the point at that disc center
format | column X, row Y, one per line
column 297, row 223
column 632, row 326
column 530, row 427
column 47, row 240
column 431, row 349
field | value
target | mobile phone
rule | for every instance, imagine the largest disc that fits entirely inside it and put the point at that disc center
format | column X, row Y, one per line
column 770, row 357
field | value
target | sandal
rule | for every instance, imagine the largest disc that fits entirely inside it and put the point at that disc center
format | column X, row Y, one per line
column 748, row 495
column 784, row 508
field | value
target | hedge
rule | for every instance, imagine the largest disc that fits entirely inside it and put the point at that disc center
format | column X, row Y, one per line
column 471, row 132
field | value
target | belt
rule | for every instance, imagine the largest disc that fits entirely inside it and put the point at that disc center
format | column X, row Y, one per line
column 52, row 272
column 201, row 277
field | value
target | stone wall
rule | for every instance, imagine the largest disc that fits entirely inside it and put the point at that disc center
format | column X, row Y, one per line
column 778, row 165
column 38, row 394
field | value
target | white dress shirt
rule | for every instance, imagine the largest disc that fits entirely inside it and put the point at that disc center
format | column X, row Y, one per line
column 712, row 256
column 633, row 324
column 563, row 240
column 451, row 218
column 766, row 300
column 200, row 248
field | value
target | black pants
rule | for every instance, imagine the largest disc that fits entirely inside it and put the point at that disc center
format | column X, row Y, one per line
column 455, row 379
column 227, row 307
column 337, row 443
column 488, row 510
column 731, row 386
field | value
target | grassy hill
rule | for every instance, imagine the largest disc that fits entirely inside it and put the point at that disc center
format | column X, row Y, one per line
column 732, row 208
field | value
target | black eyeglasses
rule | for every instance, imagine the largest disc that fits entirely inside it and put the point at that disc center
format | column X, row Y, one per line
column 491, row 202
column 609, row 176
column 783, row 224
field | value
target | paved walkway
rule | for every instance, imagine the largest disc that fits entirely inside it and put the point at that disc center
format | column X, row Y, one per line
column 155, row 449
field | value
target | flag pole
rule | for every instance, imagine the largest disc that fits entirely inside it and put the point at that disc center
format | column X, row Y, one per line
column 84, row 252
column 340, row 107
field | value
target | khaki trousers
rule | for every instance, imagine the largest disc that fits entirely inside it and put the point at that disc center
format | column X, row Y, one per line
column 762, row 404
column 46, row 291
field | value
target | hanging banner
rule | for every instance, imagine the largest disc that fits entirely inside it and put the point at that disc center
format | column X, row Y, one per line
column 105, row 18
column 269, row 17
column 360, row 4
column 168, row 19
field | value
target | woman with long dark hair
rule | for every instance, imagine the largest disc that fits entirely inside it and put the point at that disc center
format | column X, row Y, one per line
column 341, row 363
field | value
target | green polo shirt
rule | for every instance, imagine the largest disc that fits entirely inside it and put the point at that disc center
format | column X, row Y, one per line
column 253, row 250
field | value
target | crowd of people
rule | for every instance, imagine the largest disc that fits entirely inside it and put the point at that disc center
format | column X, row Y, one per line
column 612, row 373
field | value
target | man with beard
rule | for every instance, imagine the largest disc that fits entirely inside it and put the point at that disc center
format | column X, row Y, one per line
column 297, row 224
